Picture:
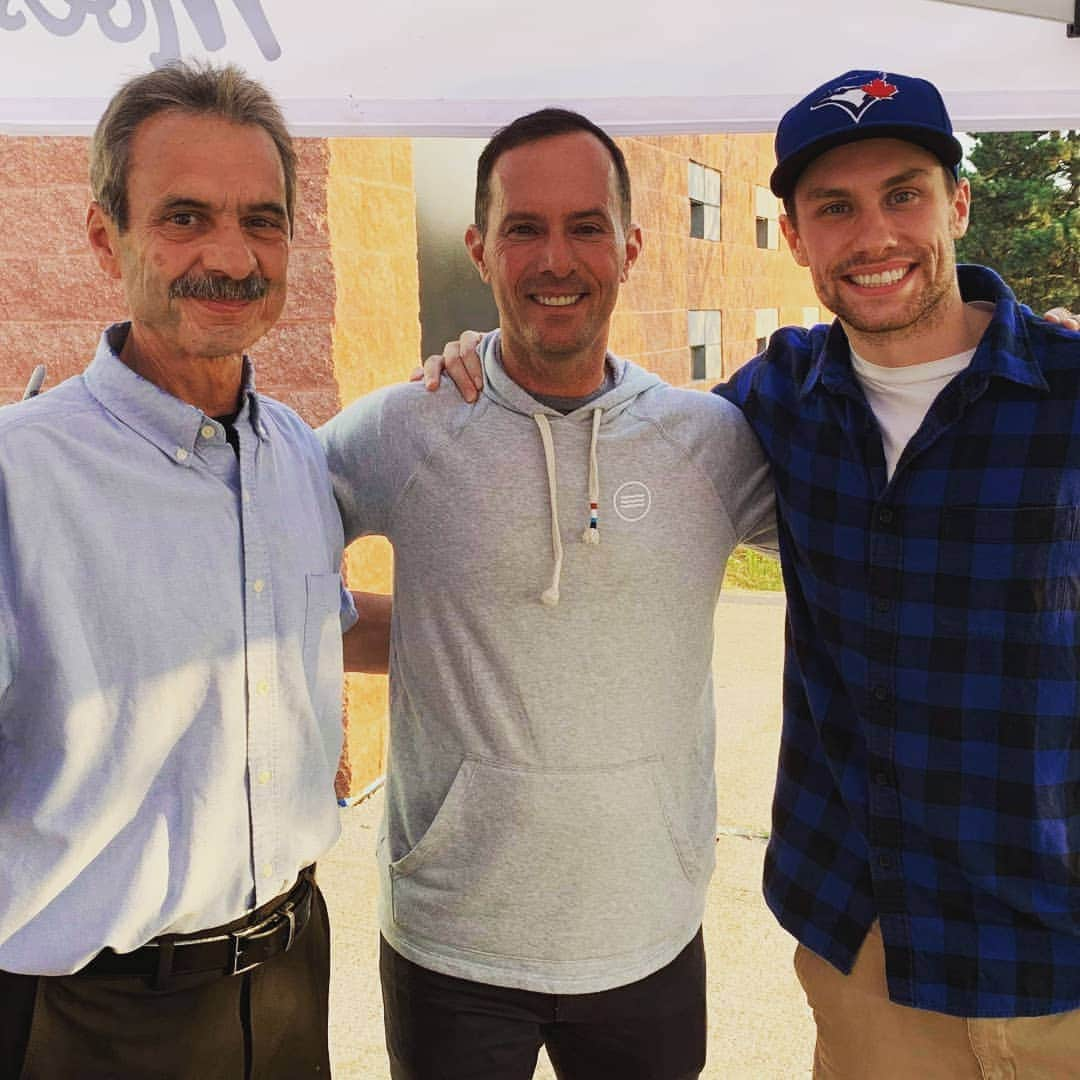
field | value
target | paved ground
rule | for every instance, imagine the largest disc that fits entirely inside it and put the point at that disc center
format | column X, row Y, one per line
column 759, row 1026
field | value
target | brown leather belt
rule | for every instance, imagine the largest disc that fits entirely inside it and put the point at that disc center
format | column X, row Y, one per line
column 228, row 952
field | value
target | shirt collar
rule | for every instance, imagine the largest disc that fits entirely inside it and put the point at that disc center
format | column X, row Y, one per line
column 1005, row 349
column 170, row 424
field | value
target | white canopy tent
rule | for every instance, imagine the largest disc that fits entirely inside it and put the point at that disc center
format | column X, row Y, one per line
column 421, row 67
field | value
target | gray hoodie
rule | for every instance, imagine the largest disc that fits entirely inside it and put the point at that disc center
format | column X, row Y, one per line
column 550, row 798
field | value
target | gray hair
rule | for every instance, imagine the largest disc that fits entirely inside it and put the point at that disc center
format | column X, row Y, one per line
column 200, row 89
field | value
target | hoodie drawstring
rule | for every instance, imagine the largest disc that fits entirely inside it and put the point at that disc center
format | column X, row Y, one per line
column 550, row 596
column 592, row 534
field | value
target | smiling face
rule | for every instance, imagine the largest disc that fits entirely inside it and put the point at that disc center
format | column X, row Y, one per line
column 555, row 250
column 876, row 221
column 206, row 201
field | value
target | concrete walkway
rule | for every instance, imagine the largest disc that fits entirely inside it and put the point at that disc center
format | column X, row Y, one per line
column 759, row 1025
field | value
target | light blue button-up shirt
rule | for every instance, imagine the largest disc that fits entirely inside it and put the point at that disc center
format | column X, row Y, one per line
column 170, row 664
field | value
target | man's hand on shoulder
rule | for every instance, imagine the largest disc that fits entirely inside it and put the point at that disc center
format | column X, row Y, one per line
column 1063, row 316
column 461, row 363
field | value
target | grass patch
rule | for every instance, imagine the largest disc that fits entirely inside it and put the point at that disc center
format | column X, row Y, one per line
column 749, row 569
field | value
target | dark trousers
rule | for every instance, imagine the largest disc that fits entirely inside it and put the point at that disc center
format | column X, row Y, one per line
column 269, row 1023
column 442, row 1028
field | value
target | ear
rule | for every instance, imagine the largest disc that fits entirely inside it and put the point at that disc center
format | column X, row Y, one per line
column 791, row 235
column 633, row 250
column 103, row 236
column 960, row 210
column 474, row 244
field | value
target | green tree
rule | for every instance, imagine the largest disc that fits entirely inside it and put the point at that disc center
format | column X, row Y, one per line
column 1025, row 213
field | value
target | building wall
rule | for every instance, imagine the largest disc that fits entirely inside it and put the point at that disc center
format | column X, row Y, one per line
column 677, row 273
column 376, row 341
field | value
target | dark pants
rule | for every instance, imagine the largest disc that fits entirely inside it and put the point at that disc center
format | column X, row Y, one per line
column 442, row 1028
column 269, row 1023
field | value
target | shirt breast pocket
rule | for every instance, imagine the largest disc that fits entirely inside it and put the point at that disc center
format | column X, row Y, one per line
column 1004, row 571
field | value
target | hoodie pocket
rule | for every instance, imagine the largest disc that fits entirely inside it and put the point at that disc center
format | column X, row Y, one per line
column 549, row 865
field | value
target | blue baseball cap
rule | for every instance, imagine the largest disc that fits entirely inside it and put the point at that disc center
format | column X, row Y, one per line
column 862, row 105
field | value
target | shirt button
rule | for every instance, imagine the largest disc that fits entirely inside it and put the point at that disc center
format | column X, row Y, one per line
column 885, row 516
column 882, row 603
column 264, row 776
column 262, row 687
column 881, row 777
column 206, row 431
column 881, row 693
column 258, row 584
column 247, row 496
column 181, row 454
column 885, row 861
column 268, row 870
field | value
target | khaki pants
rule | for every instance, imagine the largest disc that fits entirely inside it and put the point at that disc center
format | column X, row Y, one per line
column 861, row 1034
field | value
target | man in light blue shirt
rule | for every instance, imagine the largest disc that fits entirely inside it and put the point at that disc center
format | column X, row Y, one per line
column 171, row 620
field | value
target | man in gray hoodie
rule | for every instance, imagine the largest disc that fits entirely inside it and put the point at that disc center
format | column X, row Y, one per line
column 550, row 808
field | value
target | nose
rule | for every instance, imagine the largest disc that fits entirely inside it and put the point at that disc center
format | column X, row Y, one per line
column 877, row 229
column 558, row 256
column 228, row 252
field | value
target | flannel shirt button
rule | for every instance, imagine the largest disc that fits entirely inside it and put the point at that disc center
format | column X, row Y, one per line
column 885, row 516
column 882, row 603
column 885, row 861
column 881, row 777
column 881, row 693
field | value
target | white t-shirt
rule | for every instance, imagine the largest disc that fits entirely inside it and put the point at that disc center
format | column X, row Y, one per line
column 901, row 397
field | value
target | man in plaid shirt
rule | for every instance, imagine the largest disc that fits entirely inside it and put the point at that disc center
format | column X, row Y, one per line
column 925, row 848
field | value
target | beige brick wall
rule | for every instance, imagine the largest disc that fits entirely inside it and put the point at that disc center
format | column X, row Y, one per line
column 372, row 210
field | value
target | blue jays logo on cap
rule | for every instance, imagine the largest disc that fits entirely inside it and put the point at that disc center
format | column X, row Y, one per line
column 856, row 99
column 867, row 104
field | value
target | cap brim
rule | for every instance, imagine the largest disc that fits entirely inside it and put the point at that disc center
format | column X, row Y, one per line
column 945, row 147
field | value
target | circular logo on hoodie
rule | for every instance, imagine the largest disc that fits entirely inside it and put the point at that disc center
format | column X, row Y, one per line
column 632, row 500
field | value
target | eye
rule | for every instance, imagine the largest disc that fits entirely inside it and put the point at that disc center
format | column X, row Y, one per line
column 263, row 223
column 522, row 229
column 589, row 228
column 905, row 196
column 834, row 209
column 182, row 218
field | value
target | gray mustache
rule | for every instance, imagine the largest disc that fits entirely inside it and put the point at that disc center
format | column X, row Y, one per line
column 216, row 287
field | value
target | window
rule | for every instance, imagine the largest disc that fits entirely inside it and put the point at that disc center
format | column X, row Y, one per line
column 766, row 320
column 703, row 331
column 811, row 316
column 704, row 186
column 767, row 217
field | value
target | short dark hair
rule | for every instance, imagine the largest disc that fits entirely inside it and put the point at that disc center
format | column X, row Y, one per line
column 789, row 199
column 534, row 126
column 196, row 88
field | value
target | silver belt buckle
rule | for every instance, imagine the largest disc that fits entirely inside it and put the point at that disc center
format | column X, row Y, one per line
column 263, row 929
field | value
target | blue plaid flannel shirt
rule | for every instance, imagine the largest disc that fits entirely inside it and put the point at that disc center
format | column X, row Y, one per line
column 929, row 771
